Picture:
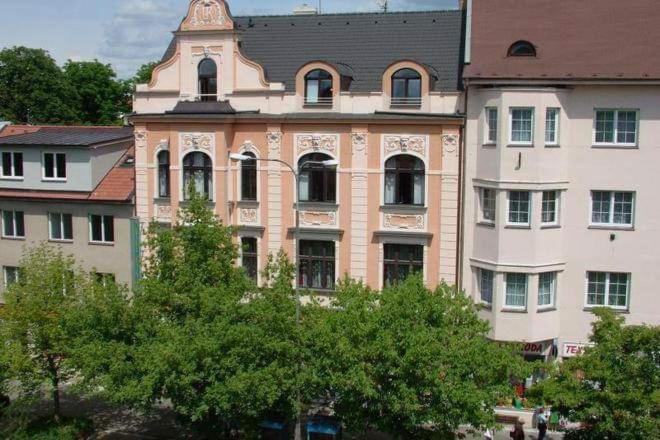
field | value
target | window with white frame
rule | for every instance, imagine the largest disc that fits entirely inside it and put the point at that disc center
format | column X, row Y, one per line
column 13, row 224
column 492, row 121
column 10, row 275
column 608, row 289
column 550, row 208
column 519, row 207
column 101, row 229
column 12, row 165
column 552, row 126
column 547, row 289
column 54, row 166
column 515, row 290
column 105, row 279
column 521, row 126
column 616, row 127
column 612, row 208
column 488, row 202
column 60, row 226
column 486, row 285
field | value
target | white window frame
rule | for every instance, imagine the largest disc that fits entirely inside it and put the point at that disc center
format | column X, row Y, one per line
column 5, row 275
column 61, row 222
column 610, row 224
column 505, row 294
column 13, row 219
column 529, row 209
column 557, row 112
column 521, row 143
column 615, row 142
column 103, row 237
column 553, row 292
column 12, row 175
column 480, row 284
column 482, row 205
column 607, row 291
column 556, row 222
column 55, row 169
column 488, row 126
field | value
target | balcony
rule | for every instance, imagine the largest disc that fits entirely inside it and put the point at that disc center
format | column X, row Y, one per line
column 406, row 103
column 318, row 102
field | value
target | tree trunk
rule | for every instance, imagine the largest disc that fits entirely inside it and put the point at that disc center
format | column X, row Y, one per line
column 55, row 383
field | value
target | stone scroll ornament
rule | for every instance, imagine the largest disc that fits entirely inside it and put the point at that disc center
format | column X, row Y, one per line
column 317, row 143
column 416, row 144
column 196, row 141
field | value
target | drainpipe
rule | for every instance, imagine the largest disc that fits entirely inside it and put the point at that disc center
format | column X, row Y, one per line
column 460, row 249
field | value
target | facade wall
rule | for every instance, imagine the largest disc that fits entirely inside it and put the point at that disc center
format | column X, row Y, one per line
column 574, row 168
column 113, row 258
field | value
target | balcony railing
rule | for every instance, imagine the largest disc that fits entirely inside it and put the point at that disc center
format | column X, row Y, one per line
column 318, row 102
column 406, row 103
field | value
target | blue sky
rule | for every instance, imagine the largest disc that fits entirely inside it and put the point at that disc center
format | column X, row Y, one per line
column 128, row 33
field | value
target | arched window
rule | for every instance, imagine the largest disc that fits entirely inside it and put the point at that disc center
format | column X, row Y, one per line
column 406, row 88
column 318, row 87
column 198, row 172
column 249, row 178
column 164, row 174
column 404, row 180
column 522, row 49
column 207, row 75
column 317, row 182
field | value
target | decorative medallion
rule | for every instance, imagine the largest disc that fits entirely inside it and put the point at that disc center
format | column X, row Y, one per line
column 450, row 144
column 308, row 218
column 359, row 142
column 207, row 13
column 196, row 141
column 317, row 143
column 416, row 144
column 248, row 216
column 410, row 222
column 274, row 141
column 141, row 138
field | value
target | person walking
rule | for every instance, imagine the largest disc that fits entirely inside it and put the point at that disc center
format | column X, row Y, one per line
column 518, row 432
column 542, row 423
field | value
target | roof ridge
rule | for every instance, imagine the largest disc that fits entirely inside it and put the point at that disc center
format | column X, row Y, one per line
column 335, row 14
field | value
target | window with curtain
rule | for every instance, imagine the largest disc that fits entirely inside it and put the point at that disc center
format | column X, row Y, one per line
column 249, row 178
column 516, row 290
column 404, row 180
column 164, row 174
column 317, row 182
column 318, row 87
column 401, row 261
column 207, row 76
column 249, row 257
column 316, row 265
column 198, row 174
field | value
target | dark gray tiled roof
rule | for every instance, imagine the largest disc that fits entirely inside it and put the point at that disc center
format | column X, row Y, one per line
column 70, row 136
column 210, row 107
column 363, row 45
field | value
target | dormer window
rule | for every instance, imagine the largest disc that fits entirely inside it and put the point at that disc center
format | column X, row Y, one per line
column 318, row 88
column 207, row 74
column 522, row 49
column 406, row 88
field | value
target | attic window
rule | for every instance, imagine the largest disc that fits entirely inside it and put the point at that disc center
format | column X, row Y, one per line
column 522, row 49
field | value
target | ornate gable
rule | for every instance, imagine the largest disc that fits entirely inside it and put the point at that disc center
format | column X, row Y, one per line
column 205, row 15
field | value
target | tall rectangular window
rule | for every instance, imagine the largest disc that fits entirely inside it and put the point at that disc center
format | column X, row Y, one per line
column 249, row 257
column 54, row 166
column 13, row 224
column 488, row 205
column 105, row 279
column 612, row 208
column 401, row 261
column 10, row 275
column 519, row 207
column 316, row 265
column 60, row 226
column 550, row 208
column 492, row 122
column 552, row 126
column 486, row 282
column 521, row 126
column 12, row 165
column 516, row 290
column 102, row 228
column 606, row 289
column 547, row 289
column 616, row 127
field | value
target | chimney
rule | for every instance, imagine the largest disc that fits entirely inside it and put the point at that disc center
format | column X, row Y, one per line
column 305, row 9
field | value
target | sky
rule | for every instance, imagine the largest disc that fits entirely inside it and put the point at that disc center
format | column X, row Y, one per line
column 129, row 33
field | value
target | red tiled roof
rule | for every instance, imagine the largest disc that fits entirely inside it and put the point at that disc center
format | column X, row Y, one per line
column 13, row 130
column 574, row 39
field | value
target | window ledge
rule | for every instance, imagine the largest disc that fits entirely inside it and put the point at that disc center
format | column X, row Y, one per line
column 311, row 105
column 552, row 146
column 512, row 310
column 328, row 206
column 546, row 309
column 520, row 146
column 404, row 208
column 485, row 306
column 549, row 226
column 521, row 226
column 12, row 179
column 611, row 228
column 489, row 145
column 247, row 203
column 13, row 238
column 486, row 225
column 60, row 241
column 101, row 243
column 164, row 200
column 46, row 179
column 615, row 146
column 590, row 309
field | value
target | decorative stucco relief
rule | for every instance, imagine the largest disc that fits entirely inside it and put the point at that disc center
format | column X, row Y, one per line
column 359, row 141
column 274, row 142
column 310, row 218
column 249, row 147
column 141, row 138
column 248, row 216
column 450, row 144
column 416, row 144
column 407, row 222
column 164, row 213
column 196, row 141
column 325, row 143
column 206, row 51
column 207, row 13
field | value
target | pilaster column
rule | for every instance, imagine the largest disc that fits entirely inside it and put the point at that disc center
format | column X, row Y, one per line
column 359, row 205
column 274, row 192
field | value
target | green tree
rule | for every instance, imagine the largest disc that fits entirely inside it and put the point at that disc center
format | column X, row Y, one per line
column 143, row 74
column 100, row 98
column 409, row 362
column 614, row 387
column 33, row 88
